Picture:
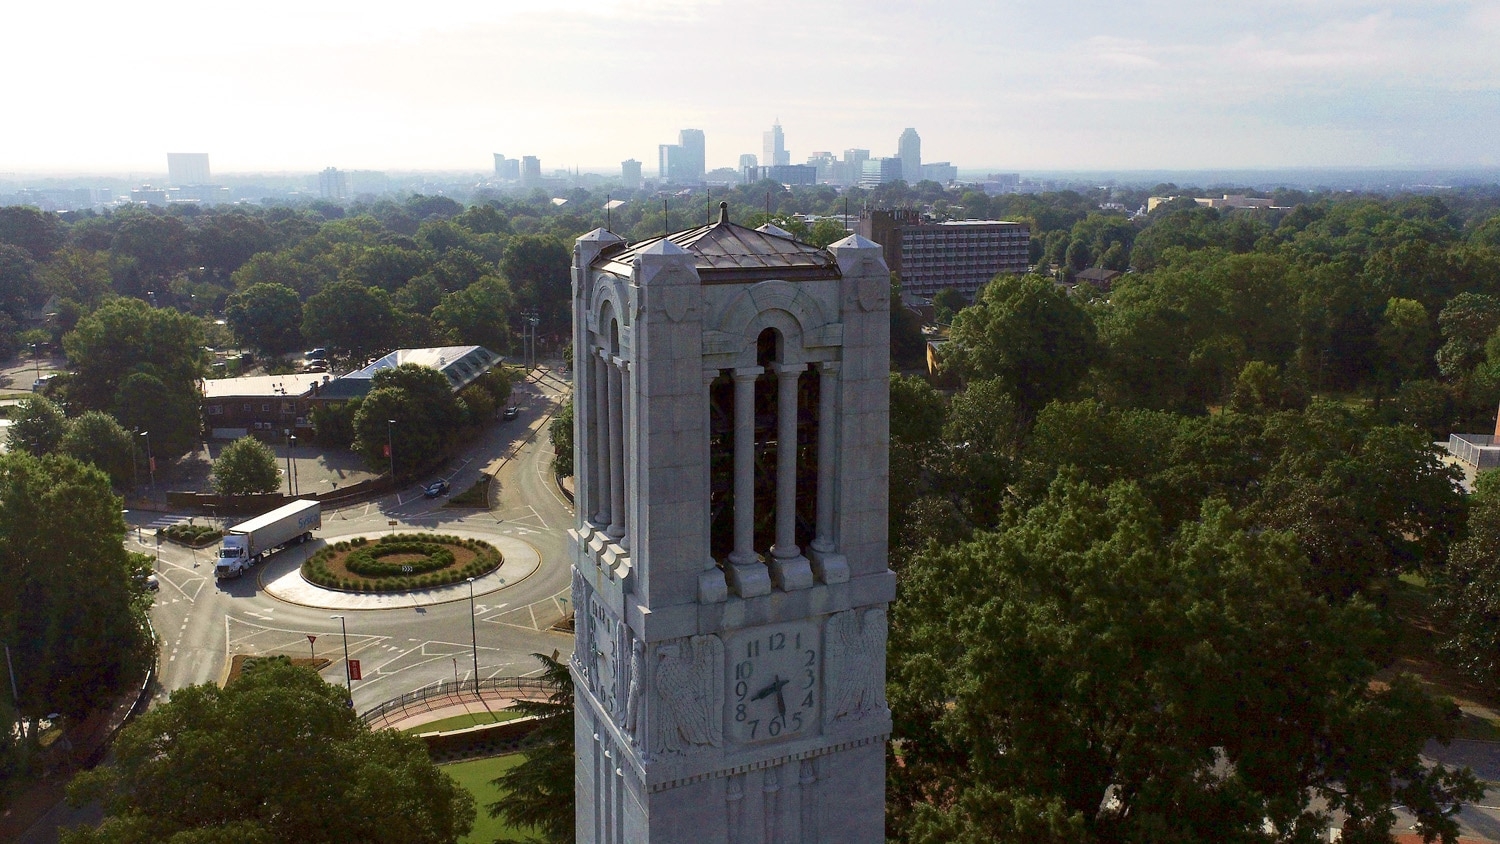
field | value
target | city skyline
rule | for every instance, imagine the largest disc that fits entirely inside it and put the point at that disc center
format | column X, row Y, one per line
column 1161, row 84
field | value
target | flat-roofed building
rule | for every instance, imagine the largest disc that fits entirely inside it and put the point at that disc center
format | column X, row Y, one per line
column 961, row 255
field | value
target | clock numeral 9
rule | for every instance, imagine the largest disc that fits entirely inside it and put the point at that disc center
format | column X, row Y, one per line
column 740, row 690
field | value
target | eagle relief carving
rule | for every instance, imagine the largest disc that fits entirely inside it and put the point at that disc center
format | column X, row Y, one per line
column 854, row 643
column 689, row 700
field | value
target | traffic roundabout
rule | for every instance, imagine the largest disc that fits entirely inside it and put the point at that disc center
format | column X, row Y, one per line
column 283, row 580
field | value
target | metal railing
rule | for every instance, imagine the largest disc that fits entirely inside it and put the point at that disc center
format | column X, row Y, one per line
column 530, row 688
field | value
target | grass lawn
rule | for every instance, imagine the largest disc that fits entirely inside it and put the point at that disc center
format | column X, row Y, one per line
column 458, row 722
column 475, row 778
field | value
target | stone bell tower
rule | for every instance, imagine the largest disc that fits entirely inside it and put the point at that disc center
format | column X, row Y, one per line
column 730, row 578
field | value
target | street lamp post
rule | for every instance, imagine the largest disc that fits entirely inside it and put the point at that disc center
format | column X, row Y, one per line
column 294, row 464
column 289, row 490
column 348, row 683
column 150, row 461
column 390, row 446
column 474, row 636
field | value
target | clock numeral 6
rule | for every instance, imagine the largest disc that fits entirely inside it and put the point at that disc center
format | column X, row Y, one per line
column 774, row 728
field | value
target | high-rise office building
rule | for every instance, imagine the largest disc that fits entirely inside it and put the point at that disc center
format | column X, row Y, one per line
column 332, row 184
column 775, row 147
column 880, row 171
column 531, row 171
column 695, row 160
column 853, row 166
column 630, row 173
column 188, row 168
column 507, row 168
column 909, row 150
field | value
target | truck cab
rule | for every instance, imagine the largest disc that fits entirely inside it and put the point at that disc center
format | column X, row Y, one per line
column 234, row 557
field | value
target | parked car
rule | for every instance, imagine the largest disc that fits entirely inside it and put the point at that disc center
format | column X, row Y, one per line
column 435, row 489
column 316, row 354
column 512, row 412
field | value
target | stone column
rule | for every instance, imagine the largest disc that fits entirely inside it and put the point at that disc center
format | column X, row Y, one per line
column 789, row 569
column 600, row 467
column 616, row 452
column 747, row 575
column 627, row 427
column 827, row 565
column 713, row 587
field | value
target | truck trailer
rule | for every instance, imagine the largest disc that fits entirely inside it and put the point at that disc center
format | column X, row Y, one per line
column 247, row 543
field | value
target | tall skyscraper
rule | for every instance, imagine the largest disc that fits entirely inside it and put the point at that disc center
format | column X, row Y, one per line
column 630, row 173
column 909, row 150
column 714, row 553
column 531, row 171
column 775, row 147
column 188, row 168
column 749, row 168
column 507, row 168
column 695, row 159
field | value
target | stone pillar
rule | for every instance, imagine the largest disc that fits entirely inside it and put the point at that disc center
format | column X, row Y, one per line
column 600, row 467
column 827, row 565
column 789, row 569
column 713, row 587
column 747, row 575
column 627, row 451
column 616, row 452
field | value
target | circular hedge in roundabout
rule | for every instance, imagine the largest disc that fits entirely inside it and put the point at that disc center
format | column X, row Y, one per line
column 400, row 563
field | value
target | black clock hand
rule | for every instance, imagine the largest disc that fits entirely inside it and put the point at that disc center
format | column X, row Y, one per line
column 781, row 699
column 767, row 691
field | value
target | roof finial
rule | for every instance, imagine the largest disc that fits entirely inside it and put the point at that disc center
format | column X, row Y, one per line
column 723, row 213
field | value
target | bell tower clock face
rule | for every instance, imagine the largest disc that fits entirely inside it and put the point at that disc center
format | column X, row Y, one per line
column 773, row 684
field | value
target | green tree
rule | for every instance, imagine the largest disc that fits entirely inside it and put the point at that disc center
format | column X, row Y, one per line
column 539, row 791
column 350, row 317
column 1466, row 323
column 74, row 622
column 276, row 755
column 37, row 427
column 561, row 432
column 167, row 412
column 1405, row 335
column 1085, row 672
column 413, row 408
column 266, row 317
column 1029, row 334
column 77, row 274
column 19, row 287
column 96, row 438
column 245, row 467
column 478, row 313
column 1469, row 589
column 125, row 336
column 537, row 268
column 40, row 233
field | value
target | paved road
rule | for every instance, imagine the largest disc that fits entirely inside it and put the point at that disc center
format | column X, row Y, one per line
column 203, row 624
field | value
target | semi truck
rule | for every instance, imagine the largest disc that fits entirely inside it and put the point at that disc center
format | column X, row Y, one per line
column 247, row 543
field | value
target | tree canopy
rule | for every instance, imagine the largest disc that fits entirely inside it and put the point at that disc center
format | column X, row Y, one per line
column 245, row 467
column 276, row 755
column 1123, row 683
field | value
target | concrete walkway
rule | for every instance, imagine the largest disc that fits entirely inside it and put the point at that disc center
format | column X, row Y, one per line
column 282, row 579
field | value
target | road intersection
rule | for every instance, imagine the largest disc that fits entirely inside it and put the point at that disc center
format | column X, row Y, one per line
column 403, row 643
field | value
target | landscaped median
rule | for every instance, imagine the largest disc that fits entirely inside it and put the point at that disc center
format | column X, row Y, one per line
column 400, row 563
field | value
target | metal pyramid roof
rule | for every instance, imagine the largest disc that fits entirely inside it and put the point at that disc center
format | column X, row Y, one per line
column 727, row 252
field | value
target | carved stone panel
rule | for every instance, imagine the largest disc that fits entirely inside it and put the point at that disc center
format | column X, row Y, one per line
column 854, row 648
column 688, row 702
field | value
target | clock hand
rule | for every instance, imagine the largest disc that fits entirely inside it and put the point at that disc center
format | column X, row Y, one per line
column 773, row 688
column 780, row 699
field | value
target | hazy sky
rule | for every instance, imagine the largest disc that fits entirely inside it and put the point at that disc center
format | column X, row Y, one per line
column 441, row 84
